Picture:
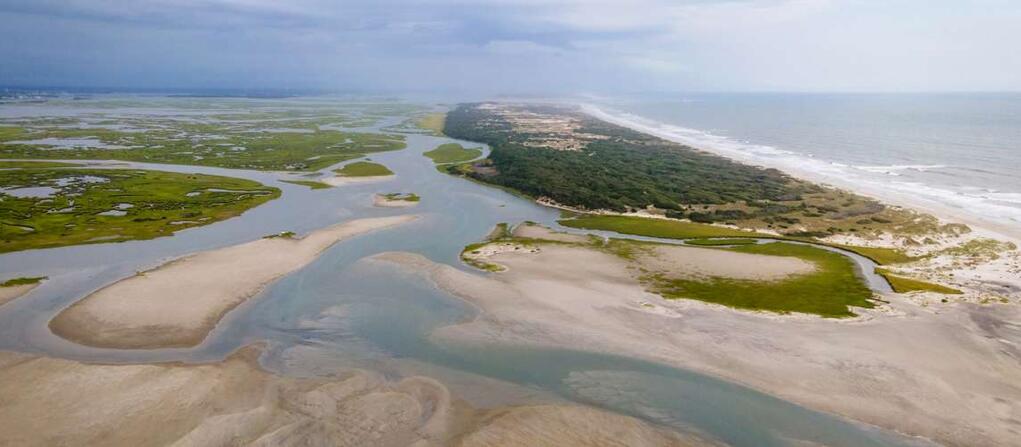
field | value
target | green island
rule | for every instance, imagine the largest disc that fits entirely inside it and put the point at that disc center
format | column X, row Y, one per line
column 452, row 153
column 901, row 284
column 311, row 184
column 403, row 196
column 23, row 281
column 43, row 208
column 828, row 291
column 246, row 141
column 363, row 169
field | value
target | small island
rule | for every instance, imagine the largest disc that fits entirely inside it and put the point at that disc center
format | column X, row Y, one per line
column 396, row 200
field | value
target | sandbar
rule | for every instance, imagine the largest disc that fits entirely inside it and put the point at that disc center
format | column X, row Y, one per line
column 234, row 402
column 12, row 292
column 179, row 303
column 948, row 374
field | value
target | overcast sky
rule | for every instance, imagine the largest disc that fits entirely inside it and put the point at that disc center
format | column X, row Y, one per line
column 515, row 46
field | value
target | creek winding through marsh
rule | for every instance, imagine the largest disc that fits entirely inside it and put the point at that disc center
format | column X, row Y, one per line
column 342, row 312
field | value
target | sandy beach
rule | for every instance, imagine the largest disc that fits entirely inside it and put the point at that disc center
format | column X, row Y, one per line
column 234, row 402
column 339, row 180
column 949, row 374
column 12, row 292
column 178, row 303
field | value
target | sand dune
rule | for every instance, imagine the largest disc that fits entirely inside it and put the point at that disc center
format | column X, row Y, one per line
column 178, row 303
column 951, row 376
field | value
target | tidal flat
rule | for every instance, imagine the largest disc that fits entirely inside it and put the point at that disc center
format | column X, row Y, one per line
column 566, row 345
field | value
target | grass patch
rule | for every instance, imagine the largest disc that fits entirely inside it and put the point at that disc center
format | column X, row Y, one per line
column 717, row 242
column 433, row 122
column 643, row 226
column 901, row 284
column 84, row 206
column 404, row 196
column 35, row 164
column 22, row 281
column 281, row 235
column 452, row 153
column 309, row 183
column 363, row 169
column 827, row 292
column 881, row 256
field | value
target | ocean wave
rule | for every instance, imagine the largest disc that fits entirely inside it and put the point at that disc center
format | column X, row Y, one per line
column 977, row 204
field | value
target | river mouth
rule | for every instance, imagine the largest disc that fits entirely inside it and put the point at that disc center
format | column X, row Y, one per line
column 343, row 311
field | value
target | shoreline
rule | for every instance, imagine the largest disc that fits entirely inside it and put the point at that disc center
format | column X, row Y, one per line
column 898, row 368
column 177, row 304
column 942, row 211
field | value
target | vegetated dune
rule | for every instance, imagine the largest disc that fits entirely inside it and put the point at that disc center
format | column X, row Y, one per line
column 178, row 303
column 951, row 375
column 54, row 402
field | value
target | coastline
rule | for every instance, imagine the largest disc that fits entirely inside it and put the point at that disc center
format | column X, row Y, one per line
column 178, row 303
column 941, row 210
column 896, row 367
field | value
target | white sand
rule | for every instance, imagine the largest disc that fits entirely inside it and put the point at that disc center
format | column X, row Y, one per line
column 338, row 180
column 10, row 293
column 950, row 374
column 178, row 303
column 705, row 262
column 540, row 232
column 53, row 402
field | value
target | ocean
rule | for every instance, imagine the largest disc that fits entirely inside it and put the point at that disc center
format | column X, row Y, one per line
column 956, row 155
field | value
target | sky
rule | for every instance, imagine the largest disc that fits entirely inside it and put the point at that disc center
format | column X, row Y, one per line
column 515, row 47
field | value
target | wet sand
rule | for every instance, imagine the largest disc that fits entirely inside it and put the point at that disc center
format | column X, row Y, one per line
column 233, row 402
column 382, row 201
column 949, row 374
column 13, row 292
column 179, row 303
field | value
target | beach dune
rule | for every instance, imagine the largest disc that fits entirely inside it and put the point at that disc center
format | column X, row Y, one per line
column 178, row 303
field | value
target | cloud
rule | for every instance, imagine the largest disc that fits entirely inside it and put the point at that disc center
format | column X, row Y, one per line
column 505, row 45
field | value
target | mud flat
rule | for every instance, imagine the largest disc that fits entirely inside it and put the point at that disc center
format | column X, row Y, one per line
column 233, row 402
column 178, row 303
column 949, row 374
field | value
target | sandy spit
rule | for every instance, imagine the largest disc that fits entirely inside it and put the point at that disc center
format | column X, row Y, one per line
column 10, row 293
column 951, row 374
column 54, row 402
column 178, row 303
column 338, row 180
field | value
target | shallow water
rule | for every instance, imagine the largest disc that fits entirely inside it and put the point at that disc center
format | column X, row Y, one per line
column 355, row 313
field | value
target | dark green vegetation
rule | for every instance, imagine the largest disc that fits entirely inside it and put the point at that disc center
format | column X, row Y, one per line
column 309, row 183
column 719, row 242
column 901, row 284
column 452, row 153
column 828, row 291
column 675, row 229
column 618, row 169
column 363, row 169
column 405, row 196
column 80, row 206
column 664, row 228
column 35, row 164
column 567, row 157
column 282, row 235
column 22, row 281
